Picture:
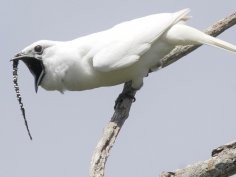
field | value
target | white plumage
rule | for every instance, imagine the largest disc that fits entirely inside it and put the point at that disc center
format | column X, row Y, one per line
column 126, row 52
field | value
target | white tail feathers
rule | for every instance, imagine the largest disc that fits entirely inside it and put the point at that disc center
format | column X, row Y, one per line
column 181, row 34
column 221, row 44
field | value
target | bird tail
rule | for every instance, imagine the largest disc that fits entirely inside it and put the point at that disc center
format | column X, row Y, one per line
column 185, row 35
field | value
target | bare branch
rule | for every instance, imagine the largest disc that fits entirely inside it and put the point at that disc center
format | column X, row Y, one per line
column 110, row 134
column 221, row 164
column 121, row 113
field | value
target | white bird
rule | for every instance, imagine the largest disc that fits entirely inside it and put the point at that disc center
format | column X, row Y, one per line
column 125, row 52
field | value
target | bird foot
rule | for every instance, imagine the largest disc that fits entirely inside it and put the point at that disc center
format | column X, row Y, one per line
column 122, row 96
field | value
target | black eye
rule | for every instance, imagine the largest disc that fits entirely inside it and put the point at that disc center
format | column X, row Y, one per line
column 38, row 49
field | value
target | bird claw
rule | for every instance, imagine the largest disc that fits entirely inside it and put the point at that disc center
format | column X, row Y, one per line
column 121, row 98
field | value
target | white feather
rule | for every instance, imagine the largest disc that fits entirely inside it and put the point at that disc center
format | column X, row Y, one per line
column 130, row 40
column 180, row 34
column 126, row 52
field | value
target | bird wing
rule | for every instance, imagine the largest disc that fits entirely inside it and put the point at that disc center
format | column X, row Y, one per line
column 125, row 43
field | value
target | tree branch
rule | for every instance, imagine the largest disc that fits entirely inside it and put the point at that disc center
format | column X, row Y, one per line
column 121, row 113
column 110, row 134
column 221, row 164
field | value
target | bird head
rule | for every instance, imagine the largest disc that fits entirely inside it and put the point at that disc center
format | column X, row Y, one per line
column 33, row 56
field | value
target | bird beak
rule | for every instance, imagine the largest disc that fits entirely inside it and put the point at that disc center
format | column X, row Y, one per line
column 35, row 65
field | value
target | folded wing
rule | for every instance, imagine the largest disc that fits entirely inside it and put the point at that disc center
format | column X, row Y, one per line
column 128, row 41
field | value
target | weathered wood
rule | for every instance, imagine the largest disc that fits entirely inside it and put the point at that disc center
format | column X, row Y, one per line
column 221, row 164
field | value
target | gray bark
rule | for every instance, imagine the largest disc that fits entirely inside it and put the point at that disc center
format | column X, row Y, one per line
column 121, row 113
column 221, row 164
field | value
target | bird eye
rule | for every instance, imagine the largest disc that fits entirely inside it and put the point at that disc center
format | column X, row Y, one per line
column 38, row 49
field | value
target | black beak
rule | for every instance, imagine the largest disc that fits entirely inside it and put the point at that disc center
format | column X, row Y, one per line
column 35, row 65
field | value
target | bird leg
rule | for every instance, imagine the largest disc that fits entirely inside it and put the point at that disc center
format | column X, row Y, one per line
column 127, row 93
column 122, row 96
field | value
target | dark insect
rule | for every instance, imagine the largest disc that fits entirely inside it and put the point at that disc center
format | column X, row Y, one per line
column 16, row 86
